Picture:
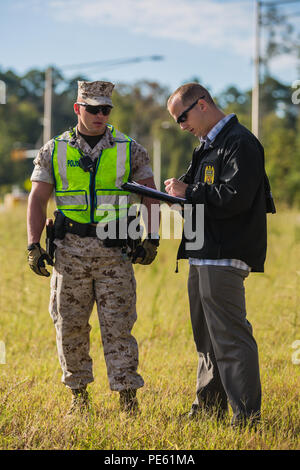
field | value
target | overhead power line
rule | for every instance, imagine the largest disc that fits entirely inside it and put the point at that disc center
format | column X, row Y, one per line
column 102, row 63
column 112, row 63
column 279, row 2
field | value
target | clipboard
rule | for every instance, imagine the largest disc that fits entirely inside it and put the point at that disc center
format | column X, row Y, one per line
column 137, row 188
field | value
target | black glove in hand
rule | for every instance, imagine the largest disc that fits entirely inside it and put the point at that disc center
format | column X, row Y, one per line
column 36, row 259
column 146, row 252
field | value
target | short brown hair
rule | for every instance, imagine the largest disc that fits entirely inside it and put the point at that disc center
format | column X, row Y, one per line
column 190, row 92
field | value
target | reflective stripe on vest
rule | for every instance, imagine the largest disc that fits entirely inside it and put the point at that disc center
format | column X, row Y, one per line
column 86, row 197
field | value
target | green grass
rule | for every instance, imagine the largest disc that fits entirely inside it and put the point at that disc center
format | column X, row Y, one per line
column 33, row 402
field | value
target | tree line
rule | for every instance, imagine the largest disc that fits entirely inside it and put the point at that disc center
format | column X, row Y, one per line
column 140, row 111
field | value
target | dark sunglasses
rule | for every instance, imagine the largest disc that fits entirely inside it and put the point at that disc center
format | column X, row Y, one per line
column 104, row 109
column 183, row 116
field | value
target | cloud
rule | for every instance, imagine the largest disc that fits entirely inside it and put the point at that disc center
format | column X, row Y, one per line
column 210, row 24
column 285, row 66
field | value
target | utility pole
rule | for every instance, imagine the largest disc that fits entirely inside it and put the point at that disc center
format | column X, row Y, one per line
column 47, row 105
column 157, row 162
column 255, row 90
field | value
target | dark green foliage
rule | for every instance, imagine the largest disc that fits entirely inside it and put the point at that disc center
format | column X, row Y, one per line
column 140, row 111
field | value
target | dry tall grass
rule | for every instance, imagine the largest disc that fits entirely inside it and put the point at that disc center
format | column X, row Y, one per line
column 33, row 401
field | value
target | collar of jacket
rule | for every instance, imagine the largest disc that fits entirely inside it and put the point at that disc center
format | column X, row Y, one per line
column 76, row 136
column 220, row 135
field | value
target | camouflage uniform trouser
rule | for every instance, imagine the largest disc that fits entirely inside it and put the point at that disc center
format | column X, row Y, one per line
column 76, row 283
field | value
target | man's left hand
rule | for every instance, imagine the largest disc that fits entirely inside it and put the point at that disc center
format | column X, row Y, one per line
column 146, row 252
column 175, row 187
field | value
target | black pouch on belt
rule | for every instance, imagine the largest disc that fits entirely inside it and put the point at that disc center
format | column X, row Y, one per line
column 50, row 247
column 65, row 225
column 59, row 225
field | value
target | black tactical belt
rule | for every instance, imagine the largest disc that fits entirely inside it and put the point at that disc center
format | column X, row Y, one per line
column 63, row 225
column 83, row 230
column 89, row 230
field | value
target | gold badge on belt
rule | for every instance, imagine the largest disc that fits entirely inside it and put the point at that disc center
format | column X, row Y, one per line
column 209, row 174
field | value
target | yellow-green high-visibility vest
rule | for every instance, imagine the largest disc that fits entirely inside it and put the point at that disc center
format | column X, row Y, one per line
column 88, row 197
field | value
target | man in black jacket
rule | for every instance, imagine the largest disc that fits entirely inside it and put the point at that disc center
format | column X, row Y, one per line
column 227, row 176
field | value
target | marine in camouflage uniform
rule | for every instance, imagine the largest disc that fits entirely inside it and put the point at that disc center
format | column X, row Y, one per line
column 85, row 271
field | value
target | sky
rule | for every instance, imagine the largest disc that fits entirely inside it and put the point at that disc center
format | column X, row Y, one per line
column 212, row 40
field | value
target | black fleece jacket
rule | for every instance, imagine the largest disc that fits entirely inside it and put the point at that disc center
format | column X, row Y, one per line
column 229, row 179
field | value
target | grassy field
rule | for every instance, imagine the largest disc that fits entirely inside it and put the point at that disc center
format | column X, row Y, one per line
column 33, row 402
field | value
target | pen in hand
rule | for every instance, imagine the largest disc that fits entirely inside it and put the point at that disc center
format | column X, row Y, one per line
column 181, row 178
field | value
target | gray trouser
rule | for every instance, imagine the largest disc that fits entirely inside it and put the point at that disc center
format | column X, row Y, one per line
column 228, row 366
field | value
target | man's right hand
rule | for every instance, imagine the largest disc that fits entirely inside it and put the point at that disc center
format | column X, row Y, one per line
column 175, row 187
column 36, row 259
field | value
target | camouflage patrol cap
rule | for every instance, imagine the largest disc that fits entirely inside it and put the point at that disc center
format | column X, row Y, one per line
column 95, row 93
